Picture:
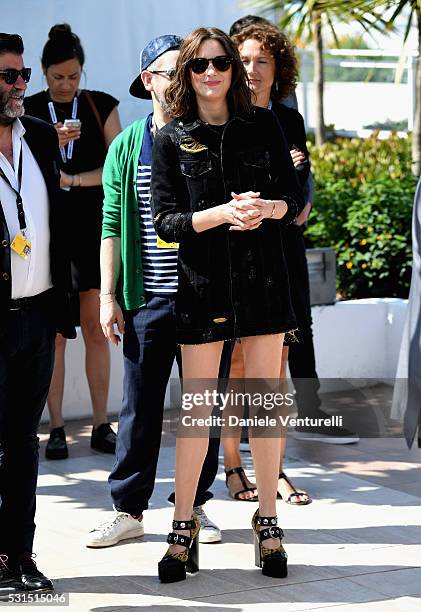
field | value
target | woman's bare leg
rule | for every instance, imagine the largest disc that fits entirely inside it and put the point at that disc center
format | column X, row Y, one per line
column 262, row 356
column 284, row 487
column 97, row 360
column 199, row 362
column 231, row 444
column 282, row 376
column 56, row 392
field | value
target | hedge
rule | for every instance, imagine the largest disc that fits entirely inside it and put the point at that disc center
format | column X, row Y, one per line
column 363, row 209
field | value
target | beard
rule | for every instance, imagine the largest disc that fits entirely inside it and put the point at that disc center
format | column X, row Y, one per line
column 7, row 113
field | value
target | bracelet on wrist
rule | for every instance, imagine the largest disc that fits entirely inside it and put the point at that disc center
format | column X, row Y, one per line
column 80, row 180
column 107, row 302
column 107, row 294
column 273, row 210
column 72, row 184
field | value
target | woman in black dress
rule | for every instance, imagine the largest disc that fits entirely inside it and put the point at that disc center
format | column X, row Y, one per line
column 83, row 150
column 272, row 68
column 223, row 183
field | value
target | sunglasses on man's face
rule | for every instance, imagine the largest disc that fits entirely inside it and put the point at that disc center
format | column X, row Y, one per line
column 200, row 64
column 11, row 75
column 168, row 73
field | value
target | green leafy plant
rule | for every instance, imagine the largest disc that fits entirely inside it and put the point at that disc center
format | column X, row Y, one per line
column 363, row 209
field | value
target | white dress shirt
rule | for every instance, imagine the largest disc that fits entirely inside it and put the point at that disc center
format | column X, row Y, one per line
column 30, row 276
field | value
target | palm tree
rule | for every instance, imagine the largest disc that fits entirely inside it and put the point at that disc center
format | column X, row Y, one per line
column 397, row 8
column 413, row 7
column 308, row 18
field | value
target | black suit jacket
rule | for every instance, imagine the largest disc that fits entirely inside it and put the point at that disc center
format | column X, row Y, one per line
column 43, row 142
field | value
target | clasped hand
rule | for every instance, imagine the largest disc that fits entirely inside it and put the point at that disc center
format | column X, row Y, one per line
column 246, row 211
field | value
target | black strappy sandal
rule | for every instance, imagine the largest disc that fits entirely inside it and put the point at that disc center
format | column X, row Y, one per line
column 241, row 474
column 173, row 566
column 272, row 561
column 294, row 494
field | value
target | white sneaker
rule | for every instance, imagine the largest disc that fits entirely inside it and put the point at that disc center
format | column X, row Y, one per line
column 209, row 532
column 121, row 527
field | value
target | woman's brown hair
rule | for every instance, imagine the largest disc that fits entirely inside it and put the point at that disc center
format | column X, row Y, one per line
column 180, row 96
column 276, row 44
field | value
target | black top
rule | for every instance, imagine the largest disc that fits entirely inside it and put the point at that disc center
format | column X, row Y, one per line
column 84, row 205
column 89, row 151
column 231, row 284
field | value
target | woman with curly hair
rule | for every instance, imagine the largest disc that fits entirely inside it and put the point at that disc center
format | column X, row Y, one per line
column 271, row 65
column 223, row 185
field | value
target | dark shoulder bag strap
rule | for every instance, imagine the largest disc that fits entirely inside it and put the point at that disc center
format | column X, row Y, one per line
column 94, row 110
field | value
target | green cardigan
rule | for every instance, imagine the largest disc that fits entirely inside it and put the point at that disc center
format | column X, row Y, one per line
column 121, row 211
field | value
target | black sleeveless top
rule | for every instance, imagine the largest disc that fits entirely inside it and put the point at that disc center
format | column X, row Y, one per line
column 84, row 205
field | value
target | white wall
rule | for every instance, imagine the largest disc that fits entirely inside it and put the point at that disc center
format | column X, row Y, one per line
column 112, row 32
column 356, row 339
column 350, row 106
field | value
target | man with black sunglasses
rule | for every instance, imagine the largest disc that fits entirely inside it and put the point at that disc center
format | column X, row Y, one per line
column 34, row 278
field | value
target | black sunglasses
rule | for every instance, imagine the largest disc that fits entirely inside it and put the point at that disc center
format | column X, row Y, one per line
column 169, row 73
column 11, row 75
column 200, row 64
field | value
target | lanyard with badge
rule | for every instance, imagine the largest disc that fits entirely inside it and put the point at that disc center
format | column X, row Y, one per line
column 65, row 155
column 20, row 245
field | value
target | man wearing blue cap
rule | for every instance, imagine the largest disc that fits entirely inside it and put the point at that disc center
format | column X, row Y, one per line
column 138, row 286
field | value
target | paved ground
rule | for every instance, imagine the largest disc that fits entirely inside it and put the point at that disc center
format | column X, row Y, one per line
column 356, row 547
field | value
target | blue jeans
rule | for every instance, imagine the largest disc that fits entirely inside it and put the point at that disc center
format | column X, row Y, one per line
column 26, row 366
column 149, row 348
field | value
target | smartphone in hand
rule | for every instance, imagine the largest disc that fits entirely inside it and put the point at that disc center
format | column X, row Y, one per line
column 72, row 124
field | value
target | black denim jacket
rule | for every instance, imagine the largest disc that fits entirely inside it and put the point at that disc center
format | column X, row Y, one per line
column 231, row 284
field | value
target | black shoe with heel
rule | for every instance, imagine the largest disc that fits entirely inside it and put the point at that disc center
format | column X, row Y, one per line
column 57, row 446
column 272, row 561
column 103, row 439
column 173, row 566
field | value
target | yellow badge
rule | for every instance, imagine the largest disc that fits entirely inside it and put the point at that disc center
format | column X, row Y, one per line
column 161, row 244
column 190, row 145
column 21, row 246
column 220, row 320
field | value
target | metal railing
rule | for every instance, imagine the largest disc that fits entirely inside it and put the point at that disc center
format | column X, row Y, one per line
column 406, row 61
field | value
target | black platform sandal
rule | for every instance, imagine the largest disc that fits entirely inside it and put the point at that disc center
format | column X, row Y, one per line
column 241, row 474
column 173, row 566
column 272, row 561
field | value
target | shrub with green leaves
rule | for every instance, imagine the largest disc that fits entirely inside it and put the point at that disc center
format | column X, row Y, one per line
column 363, row 209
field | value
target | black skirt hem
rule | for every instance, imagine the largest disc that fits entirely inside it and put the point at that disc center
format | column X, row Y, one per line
column 198, row 337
